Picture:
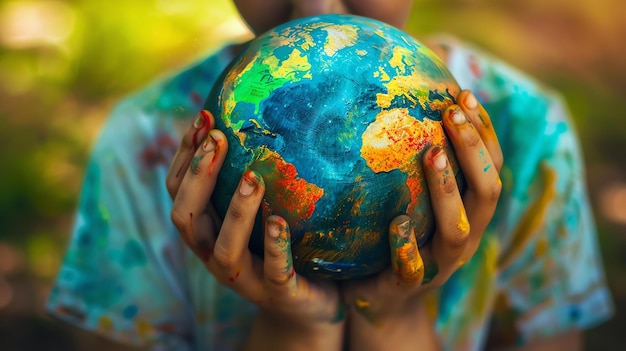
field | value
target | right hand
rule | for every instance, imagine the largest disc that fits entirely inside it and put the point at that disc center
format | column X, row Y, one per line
column 388, row 309
column 282, row 295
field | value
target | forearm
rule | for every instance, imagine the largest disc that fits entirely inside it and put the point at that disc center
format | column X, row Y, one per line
column 275, row 334
column 413, row 332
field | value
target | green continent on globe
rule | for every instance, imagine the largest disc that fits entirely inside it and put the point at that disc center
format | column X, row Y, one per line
column 335, row 112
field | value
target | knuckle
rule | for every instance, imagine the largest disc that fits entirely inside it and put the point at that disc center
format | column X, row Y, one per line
column 187, row 141
column 473, row 139
column 458, row 239
column 236, row 212
column 498, row 160
column 224, row 258
column 449, row 185
column 181, row 222
column 279, row 278
column 492, row 193
column 171, row 184
column 274, row 252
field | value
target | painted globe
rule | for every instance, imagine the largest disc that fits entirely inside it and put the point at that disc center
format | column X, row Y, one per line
column 335, row 112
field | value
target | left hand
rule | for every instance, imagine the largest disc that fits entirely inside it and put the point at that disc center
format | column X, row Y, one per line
column 293, row 309
column 394, row 296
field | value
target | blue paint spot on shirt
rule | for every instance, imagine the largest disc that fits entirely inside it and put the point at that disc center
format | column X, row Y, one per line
column 133, row 255
column 574, row 313
column 130, row 311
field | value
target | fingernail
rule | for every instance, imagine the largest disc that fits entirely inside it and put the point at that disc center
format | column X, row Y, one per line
column 200, row 121
column 273, row 229
column 458, row 117
column 248, row 183
column 209, row 144
column 439, row 159
column 404, row 229
column 470, row 101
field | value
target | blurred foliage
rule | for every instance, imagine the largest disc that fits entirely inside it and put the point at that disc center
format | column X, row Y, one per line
column 64, row 63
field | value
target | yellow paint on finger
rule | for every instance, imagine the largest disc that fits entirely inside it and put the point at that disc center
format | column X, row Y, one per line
column 363, row 307
column 361, row 303
column 410, row 266
column 463, row 223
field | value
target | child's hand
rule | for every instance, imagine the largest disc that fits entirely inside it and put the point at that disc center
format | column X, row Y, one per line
column 287, row 300
column 381, row 306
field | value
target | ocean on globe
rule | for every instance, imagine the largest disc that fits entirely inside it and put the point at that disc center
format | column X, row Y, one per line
column 335, row 112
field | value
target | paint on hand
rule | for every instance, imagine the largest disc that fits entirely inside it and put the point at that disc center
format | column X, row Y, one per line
column 363, row 307
column 431, row 269
column 195, row 164
column 341, row 314
column 483, row 158
column 463, row 223
column 408, row 264
column 233, row 278
column 279, row 230
column 201, row 123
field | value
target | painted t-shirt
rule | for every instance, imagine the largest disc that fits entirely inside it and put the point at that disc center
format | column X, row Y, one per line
column 537, row 272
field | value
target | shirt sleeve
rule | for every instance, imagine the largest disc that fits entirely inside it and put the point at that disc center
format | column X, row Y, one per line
column 122, row 275
column 550, row 277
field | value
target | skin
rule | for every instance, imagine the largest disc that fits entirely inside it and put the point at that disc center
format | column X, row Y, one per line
column 381, row 312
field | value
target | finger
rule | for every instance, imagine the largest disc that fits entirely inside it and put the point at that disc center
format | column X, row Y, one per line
column 189, row 211
column 451, row 221
column 185, row 152
column 231, row 257
column 278, row 263
column 481, row 120
column 483, row 180
column 406, row 261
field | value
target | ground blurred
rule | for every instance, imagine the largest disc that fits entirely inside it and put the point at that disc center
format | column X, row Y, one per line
column 64, row 63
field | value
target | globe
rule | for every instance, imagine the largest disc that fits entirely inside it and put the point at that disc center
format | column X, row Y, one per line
column 335, row 112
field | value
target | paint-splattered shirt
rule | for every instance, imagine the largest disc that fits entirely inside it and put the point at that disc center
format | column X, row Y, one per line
column 537, row 271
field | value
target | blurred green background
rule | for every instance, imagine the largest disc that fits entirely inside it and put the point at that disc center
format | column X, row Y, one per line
column 63, row 64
